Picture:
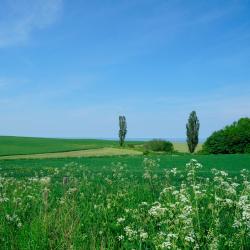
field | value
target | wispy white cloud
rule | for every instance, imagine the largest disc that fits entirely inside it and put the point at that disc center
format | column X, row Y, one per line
column 19, row 18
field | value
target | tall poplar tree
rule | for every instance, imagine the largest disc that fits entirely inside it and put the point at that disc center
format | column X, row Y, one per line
column 122, row 130
column 192, row 127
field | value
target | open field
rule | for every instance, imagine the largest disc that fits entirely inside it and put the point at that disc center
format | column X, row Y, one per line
column 78, row 153
column 111, row 151
column 183, row 148
column 231, row 163
column 11, row 145
column 125, row 202
column 105, row 197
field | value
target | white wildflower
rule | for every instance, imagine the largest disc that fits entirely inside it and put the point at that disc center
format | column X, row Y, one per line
column 120, row 220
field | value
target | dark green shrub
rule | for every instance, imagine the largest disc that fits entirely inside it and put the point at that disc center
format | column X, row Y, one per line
column 146, row 152
column 230, row 140
column 202, row 152
column 247, row 150
column 159, row 145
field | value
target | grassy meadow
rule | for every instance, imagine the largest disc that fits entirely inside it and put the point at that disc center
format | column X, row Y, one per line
column 12, row 145
column 125, row 202
column 91, row 194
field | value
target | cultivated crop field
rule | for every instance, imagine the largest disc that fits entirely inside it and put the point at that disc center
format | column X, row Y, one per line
column 12, row 145
column 128, row 202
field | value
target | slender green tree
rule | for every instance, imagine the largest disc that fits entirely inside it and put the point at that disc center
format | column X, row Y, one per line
column 192, row 127
column 122, row 130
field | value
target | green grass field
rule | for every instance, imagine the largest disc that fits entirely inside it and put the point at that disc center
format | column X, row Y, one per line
column 125, row 202
column 231, row 163
column 11, row 145
column 102, row 199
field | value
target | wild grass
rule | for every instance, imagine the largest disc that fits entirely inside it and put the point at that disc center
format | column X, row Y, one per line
column 125, row 203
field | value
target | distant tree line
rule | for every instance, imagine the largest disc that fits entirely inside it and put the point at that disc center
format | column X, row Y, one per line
column 192, row 126
column 229, row 140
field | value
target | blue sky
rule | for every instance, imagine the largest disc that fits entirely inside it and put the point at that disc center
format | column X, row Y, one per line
column 69, row 68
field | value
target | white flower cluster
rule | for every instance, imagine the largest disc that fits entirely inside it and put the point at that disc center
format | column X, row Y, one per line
column 3, row 198
column 130, row 233
column 157, row 210
column 14, row 219
column 133, row 234
column 243, row 217
column 45, row 180
column 150, row 166
column 120, row 220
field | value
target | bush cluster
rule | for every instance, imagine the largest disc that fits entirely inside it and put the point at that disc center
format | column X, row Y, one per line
column 230, row 140
column 159, row 145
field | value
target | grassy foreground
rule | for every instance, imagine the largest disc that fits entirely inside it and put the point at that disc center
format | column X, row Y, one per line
column 125, row 203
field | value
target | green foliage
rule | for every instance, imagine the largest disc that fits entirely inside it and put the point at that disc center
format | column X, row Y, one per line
column 202, row 152
column 192, row 132
column 146, row 152
column 247, row 150
column 122, row 130
column 230, row 140
column 159, row 145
